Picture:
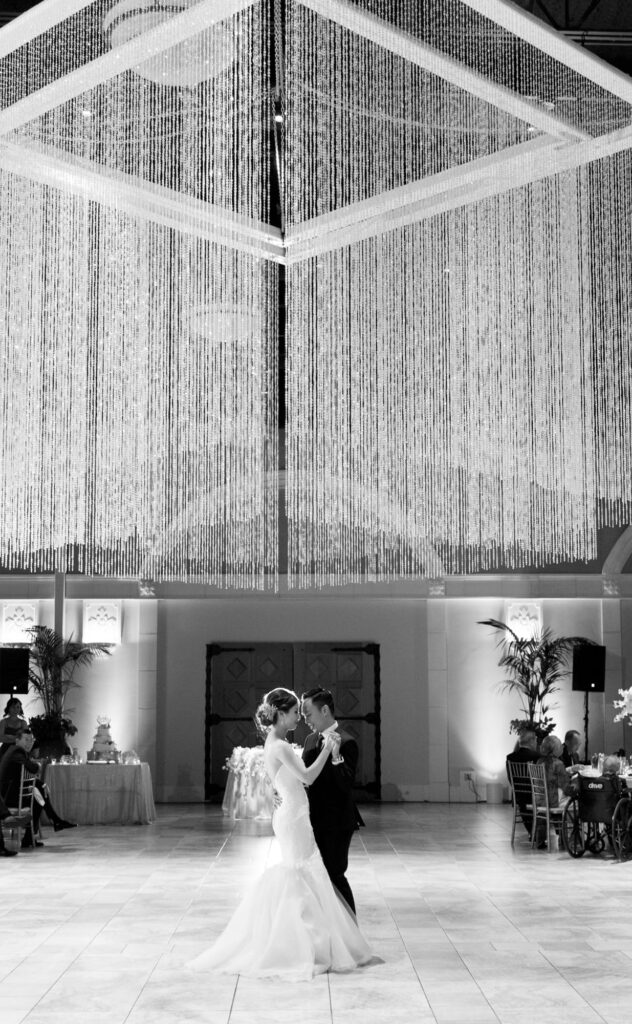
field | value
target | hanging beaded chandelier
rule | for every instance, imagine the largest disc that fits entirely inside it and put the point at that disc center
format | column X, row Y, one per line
column 454, row 188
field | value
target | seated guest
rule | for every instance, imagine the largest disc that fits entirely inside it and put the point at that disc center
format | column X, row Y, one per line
column 16, row 757
column 611, row 768
column 11, row 723
column 570, row 749
column 556, row 775
column 525, row 752
column 557, row 778
column 527, row 748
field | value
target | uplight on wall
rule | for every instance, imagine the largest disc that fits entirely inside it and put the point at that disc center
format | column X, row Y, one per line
column 101, row 622
column 17, row 618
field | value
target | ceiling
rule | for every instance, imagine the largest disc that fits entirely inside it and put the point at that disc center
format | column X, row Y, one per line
column 418, row 153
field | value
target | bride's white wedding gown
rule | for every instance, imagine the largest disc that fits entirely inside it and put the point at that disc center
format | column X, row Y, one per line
column 292, row 923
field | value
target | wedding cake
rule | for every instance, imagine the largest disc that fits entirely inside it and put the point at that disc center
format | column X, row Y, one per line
column 103, row 746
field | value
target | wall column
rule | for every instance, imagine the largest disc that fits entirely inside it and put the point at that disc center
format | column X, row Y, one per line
column 147, row 682
column 611, row 633
column 438, row 788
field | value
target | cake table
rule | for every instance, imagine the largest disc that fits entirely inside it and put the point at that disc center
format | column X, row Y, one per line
column 102, row 793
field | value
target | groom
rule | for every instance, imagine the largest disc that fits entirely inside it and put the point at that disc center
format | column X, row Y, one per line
column 332, row 811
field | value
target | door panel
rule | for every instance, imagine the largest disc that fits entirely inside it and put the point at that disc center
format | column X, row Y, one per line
column 238, row 676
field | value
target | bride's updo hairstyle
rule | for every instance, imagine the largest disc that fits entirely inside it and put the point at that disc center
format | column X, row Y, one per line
column 274, row 702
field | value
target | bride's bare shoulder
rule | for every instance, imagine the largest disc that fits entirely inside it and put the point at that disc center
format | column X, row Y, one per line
column 272, row 749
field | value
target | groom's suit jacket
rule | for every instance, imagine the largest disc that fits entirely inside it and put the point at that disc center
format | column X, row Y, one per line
column 331, row 804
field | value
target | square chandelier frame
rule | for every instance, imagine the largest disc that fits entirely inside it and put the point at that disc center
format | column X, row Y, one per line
column 557, row 147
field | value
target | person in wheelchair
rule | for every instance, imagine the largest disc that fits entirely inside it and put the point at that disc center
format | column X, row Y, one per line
column 589, row 817
column 611, row 771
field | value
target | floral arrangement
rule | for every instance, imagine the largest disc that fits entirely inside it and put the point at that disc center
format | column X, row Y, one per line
column 247, row 762
column 624, row 705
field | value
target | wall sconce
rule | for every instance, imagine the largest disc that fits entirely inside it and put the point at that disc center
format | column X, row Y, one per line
column 101, row 622
column 525, row 618
column 436, row 587
column 17, row 618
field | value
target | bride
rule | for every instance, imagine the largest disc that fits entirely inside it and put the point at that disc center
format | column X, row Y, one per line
column 293, row 923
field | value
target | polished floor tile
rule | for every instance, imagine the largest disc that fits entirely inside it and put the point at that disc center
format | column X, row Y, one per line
column 101, row 922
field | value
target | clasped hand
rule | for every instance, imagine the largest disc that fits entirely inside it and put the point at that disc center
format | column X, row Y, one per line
column 332, row 742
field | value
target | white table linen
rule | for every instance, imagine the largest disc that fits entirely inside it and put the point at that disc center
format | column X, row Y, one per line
column 246, row 797
column 102, row 794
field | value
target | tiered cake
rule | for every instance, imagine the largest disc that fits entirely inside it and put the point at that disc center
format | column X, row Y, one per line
column 103, row 746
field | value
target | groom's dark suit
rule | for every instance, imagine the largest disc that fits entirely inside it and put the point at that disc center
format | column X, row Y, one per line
column 332, row 811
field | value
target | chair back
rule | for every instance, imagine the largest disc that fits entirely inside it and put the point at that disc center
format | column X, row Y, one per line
column 27, row 785
column 539, row 788
column 518, row 773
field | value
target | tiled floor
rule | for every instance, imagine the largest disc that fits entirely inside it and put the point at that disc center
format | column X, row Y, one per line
column 98, row 925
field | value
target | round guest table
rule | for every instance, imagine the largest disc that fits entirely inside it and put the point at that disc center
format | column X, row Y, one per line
column 101, row 793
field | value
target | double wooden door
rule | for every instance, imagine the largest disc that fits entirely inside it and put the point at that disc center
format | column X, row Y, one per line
column 238, row 675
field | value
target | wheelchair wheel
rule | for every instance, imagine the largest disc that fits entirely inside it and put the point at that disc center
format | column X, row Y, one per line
column 621, row 829
column 573, row 830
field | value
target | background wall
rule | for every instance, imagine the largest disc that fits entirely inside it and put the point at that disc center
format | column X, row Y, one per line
column 186, row 627
column 115, row 685
column 479, row 712
column 442, row 711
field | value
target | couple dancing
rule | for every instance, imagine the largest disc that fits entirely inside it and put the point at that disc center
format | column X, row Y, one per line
column 294, row 923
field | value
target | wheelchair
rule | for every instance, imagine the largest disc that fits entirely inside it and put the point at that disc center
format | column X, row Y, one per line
column 622, row 826
column 587, row 822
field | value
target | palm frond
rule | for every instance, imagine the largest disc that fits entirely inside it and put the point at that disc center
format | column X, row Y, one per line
column 500, row 627
column 535, row 665
column 53, row 660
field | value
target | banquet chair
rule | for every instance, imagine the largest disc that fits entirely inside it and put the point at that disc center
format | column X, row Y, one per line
column 521, row 798
column 24, row 804
column 545, row 816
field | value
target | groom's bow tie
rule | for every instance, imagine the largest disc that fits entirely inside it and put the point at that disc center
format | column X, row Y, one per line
column 320, row 743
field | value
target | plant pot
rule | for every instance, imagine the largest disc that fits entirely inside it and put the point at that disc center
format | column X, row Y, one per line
column 50, row 735
column 53, row 748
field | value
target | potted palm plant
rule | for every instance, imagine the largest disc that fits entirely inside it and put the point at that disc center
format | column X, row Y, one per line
column 535, row 666
column 52, row 665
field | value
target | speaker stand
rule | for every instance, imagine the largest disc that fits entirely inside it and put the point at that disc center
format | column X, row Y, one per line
column 586, row 754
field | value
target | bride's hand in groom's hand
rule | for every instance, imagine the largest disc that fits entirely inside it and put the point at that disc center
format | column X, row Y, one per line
column 277, row 800
column 332, row 743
